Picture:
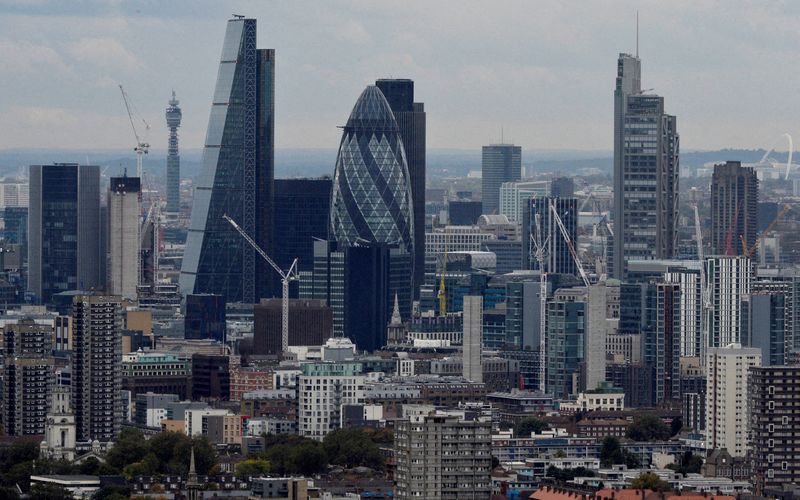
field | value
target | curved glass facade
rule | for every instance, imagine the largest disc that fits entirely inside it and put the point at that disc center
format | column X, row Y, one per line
column 371, row 201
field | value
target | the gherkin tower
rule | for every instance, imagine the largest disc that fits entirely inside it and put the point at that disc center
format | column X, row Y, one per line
column 371, row 201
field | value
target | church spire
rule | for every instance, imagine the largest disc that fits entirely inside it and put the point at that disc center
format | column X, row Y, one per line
column 192, row 484
column 396, row 319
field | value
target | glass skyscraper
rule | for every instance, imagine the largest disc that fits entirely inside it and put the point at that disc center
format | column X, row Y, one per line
column 646, row 146
column 410, row 117
column 237, row 175
column 64, row 230
column 371, row 200
column 500, row 163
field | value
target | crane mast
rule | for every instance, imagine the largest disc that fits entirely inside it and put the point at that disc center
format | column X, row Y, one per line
column 286, row 277
column 568, row 241
column 540, row 251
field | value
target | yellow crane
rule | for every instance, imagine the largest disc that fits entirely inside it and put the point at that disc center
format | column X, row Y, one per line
column 748, row 252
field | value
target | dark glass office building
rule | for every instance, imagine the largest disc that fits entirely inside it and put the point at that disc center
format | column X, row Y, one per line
column 464, row 213
column 500, row 163
column 236, row 177
column 301, row 215
column 205, row 317
column 410, row 117
column 558, row 258
column 359, row 284
column 64, row 229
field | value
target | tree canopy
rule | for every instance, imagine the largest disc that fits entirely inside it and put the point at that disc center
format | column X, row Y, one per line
column 352, row 448
column 165, row 453
column 648, row 428
column 530, row 424
column 650, row 481
column 612, row 453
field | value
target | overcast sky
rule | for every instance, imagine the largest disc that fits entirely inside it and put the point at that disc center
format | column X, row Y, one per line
column 544, row 71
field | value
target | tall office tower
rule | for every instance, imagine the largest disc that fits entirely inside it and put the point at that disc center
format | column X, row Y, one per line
column 427, row 469
column 500, row 163
column 301, row 216
column 123, row 236
column 236, row 177
column 558, row 257
column 97, row 367
column 28, row 370
column 15, row 227
column 562, row 187
column 463, row 213
column 729, row 284
column 359, row 284
column 774, row 441
column 410, row 117
column 64, row 229
column 691, row 310
column 566, row 334
column 473, row 337
column 173, row 115
column 371, row 204
column 727, row 396
column 594, row 357
column 661, row 329
column 371, row 201
column 734, row 208
column 646, row 165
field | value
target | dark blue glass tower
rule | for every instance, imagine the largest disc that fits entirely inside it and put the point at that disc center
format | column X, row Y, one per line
column 64, row 229
column 237, row 175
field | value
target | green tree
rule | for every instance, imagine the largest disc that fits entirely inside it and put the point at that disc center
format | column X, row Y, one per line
column 252, row 467
column 650, row 481
column 648, row 428
column 309, row 458
column 130, row 447
column 147, row 466
column 115, row 492
column 688, row 463
column 352, row 448
column 612, row 453
column 565, row 475
column 530, row 424
column 49, row 492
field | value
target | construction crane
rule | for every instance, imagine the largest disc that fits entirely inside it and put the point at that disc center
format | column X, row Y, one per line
column 442, row 296
column 142, row 146
column 568, row 241
column 748, row 252
column 286, row 277
column 540, row 252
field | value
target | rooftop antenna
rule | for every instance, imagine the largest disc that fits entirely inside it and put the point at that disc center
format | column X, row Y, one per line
column 501, row 135
column 637, row 34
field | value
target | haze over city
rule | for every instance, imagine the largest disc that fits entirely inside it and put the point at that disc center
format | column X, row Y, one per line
column 543, row 71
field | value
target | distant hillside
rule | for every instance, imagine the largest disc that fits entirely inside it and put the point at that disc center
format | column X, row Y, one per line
column 319, row 162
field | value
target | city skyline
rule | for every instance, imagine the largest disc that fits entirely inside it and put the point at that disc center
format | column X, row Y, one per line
column 551, row 68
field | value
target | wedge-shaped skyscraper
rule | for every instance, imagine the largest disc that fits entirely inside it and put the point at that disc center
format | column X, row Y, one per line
column 371, row 200
column 237, row 175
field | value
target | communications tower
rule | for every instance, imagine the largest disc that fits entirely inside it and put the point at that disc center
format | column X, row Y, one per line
column 174, row 116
